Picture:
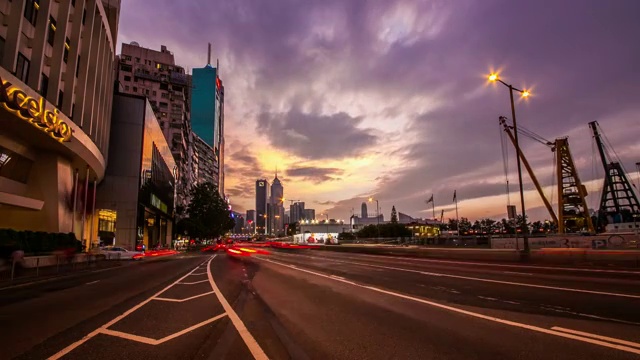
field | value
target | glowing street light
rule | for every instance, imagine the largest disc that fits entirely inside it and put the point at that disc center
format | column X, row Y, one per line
column 494, row 77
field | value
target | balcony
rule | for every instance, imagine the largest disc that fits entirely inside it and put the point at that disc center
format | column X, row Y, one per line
column 141, row 74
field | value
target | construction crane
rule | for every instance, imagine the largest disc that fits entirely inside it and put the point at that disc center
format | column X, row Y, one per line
column 573, row 212
column 618, row 200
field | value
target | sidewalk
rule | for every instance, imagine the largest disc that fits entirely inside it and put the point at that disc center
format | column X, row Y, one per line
column 28, row 275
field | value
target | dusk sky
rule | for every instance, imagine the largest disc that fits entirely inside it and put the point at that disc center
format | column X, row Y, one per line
column 351, row 99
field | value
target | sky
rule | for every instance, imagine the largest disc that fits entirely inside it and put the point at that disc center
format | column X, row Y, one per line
column 389, row 99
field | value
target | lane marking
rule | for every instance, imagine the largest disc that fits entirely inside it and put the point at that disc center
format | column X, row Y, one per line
column 92, row 282
column 488, row 298
column 516, row 272
column 473, row 314
column 97, row 331
column 493, row 281
column 183, row 300
column 500, row 265
column 596, row 336
column 567, row 311
column 192, row 283
column 204, row 273
column 151, row 341
column 337, row 277
column 248, row 339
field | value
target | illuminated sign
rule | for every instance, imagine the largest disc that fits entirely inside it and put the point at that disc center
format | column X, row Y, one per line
column 33, row 111
column 155, row 201
column 261, row 183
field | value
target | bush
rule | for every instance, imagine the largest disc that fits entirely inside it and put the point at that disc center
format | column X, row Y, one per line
column 36, row 242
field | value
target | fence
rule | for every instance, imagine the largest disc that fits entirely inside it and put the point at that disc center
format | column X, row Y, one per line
column 50, row 265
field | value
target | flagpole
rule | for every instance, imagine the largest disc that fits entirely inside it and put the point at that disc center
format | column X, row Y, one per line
column 433, row 206
column 457, row 219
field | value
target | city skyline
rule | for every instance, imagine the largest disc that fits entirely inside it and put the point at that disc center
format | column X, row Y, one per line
column 375, row 100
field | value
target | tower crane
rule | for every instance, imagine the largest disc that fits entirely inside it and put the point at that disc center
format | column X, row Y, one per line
column 618, row 200
column 573, row 212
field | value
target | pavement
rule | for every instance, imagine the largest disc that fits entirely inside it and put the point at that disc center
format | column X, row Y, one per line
column 308, row 304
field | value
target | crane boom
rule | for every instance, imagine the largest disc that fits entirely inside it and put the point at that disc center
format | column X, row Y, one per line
column 507, row 130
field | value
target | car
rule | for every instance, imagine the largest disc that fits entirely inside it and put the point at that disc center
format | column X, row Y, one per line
column 116, row 252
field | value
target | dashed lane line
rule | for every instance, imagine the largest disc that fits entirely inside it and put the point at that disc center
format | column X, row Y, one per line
column 567, row 335
column 192, row 283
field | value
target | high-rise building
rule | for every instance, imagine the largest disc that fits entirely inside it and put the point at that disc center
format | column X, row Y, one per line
column 309, row 214
column 363, row 213
column 250, row 220
column 262, row 200
column 56, row 69
column 155, row 75
column 277, row 207
column 207, row 114
column 296, row 212
column 135, row 201
column 203, row 160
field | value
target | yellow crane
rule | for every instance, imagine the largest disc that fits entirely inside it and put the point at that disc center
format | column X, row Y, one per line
column 573, row 212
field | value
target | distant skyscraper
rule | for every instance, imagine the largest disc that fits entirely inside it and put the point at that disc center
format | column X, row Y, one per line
column 262, row 196
column 277, row 206
column 296, row 212
column 364, row 213
column 309, row 214
column 250, row 221
column 207, row 114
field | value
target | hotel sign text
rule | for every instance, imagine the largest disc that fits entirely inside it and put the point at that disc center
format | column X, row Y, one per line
column 33, row 111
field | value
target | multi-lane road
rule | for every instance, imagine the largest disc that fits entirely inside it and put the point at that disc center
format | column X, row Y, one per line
column 322, row 305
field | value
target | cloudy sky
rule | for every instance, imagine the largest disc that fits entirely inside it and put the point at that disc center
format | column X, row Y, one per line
column 389, row 98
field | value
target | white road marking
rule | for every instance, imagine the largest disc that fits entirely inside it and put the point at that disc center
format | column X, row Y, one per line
column 151, row 341
column 488, row 298
column 511, row 302
column 92, row 282
column 516, row 272
column 204, row 273
column 473, row 314
column 183, row 300
column 248, row 339
column 596, row 336
column 493, row 281
column 337, row 277
column 192, row 283
column 97, row 331
column 590, row 316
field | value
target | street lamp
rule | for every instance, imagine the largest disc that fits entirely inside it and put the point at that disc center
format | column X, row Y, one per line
column 377, row 214
column 493, row 77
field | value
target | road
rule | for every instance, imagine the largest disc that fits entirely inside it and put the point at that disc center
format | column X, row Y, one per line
column 321, row 305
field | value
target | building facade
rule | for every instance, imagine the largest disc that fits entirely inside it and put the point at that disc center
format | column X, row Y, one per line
column 296, row 211
column 309, row 214
column 207, row 117
column 56, row 65
column 262, row 200
column 203, row 160
column 363, row 210
column 276, row 215
column 155, row 75
column 135, row 201
column 250, row 221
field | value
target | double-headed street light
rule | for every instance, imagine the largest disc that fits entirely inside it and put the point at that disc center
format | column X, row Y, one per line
column 494, row 77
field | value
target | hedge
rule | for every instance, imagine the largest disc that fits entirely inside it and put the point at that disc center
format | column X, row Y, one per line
column 37, row 242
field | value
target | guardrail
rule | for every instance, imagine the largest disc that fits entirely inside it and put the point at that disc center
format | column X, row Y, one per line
column 35, row 266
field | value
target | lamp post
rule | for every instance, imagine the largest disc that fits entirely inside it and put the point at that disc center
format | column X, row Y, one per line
column 525, row 94
column 377, row 214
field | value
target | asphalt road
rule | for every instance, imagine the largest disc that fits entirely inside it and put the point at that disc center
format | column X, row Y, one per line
column 318, row 305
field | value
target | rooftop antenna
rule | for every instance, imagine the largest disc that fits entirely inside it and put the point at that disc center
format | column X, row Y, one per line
column 209, row 55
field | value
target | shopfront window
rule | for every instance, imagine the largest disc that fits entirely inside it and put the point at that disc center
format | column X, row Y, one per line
column 14, row 166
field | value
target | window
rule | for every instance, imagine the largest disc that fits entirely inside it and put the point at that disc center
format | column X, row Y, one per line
column 67, row 46
column 164, row 87
column 135, row 89
column 73, row 3
column 14, row 166
column 126, row 68
column 164, row 105
column 22, row 68
column 126, row 88
column 84, row 16
column 78, row 66
column 52, row 30
column 146, row 92
column 154, row 93
column 127, row 78
column 164, row 95
column 138, row 60
column 31, row 11
column 60, row 98
column 44, row 85
column 73, row 110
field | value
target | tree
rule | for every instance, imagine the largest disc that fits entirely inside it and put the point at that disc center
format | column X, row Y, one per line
column 394, row 215
column 292, row 229
column 209, row 214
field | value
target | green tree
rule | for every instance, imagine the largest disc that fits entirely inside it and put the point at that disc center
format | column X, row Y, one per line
column 209, row 214
column 394, row 215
